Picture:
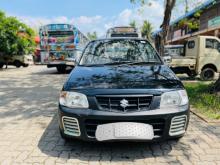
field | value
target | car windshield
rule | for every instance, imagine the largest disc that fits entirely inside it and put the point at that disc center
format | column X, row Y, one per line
column 104, row 52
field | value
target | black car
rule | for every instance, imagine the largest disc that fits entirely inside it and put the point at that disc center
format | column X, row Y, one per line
column 121, row 90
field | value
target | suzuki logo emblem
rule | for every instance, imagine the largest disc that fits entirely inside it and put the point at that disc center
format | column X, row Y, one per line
column 124, row 103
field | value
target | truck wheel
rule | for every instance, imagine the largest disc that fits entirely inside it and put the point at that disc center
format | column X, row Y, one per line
column 17, row 64
column 25, row 65
column 191, row 74
column 61, row 69
column 207, row 74
column 1, row 65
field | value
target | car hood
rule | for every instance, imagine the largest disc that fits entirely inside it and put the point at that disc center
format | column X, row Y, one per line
column 122, row 77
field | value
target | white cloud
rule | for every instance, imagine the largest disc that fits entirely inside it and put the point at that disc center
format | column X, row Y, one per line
column 152, row 13
column 100, row 24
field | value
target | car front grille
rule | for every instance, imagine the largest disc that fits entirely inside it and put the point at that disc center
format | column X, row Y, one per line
column 119, row 103
column 158, row 125
column 178, row 125
column 71, row 126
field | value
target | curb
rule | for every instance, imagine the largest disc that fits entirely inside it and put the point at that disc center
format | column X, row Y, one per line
column 204, row 118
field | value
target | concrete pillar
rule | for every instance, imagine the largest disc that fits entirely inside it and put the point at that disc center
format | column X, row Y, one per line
column 216, row 32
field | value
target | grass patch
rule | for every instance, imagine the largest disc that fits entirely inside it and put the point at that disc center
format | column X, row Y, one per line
column 204, row 102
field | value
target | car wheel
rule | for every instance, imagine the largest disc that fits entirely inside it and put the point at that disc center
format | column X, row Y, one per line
column 25, row 65
column 17, row 64
column 207, row 74
column 61, row 69
column 1, row 65
column 191, row 74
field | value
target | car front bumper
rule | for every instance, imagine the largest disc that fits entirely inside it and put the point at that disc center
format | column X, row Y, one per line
column 82, row 123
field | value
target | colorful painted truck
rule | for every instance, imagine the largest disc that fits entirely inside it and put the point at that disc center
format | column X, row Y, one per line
column 61, row 45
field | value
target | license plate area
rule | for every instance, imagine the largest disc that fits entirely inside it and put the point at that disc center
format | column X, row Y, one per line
column 124, row 131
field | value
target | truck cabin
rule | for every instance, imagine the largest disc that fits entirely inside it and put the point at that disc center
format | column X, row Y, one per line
column 174, row 50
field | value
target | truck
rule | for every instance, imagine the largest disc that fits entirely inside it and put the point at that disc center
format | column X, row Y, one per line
column 122, row 31
column 201, row 57
column 61, row 45
column 16, row 60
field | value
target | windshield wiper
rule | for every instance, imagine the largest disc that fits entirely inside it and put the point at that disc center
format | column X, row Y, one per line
column 118, row 63
column 109, row 63
column 144, row 62
column 156, row 72
column 93, row 65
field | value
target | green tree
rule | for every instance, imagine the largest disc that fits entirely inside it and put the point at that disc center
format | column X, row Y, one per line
column 146, row 30
column 92, row 36
column 16, row 38
column 133, row 24
column 160, row 39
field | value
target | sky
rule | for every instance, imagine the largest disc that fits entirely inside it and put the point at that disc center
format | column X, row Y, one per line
column 87, row 15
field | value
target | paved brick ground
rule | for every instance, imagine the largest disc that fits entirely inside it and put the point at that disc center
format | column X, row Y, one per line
column 29, row 131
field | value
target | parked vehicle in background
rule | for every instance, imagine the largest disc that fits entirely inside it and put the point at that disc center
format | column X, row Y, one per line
column 201, row 56
column 16, row 60
column 174, row 50
column 63, row 59
column 122, row 31
column 60, row 44
column 121, row 90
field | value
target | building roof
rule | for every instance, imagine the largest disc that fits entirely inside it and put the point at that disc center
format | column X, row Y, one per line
column 206, row 4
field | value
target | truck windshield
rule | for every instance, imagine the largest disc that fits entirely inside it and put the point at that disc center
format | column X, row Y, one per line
column 119, row 51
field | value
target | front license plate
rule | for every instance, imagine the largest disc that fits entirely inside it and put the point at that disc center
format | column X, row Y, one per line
column 124, row 131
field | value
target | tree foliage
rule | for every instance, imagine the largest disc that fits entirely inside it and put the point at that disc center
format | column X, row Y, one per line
column 160, row 39
column 92, row 36
column 146, row 30
column 16, row 38
column 133, row 24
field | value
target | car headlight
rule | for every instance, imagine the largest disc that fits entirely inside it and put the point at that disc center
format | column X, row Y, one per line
column 174, row 98
column 73, row 100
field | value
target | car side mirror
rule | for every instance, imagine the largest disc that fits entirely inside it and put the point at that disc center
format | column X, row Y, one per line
column 167, row 59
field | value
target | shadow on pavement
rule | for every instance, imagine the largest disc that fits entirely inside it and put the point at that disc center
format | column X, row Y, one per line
column 51, row 71
column 54, row 146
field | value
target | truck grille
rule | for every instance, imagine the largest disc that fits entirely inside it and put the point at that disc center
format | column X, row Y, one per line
column 178, row 125
column 124, row 103
column 158, row 125
column 71, row 126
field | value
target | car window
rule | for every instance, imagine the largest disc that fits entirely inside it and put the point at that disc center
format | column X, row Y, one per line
column 191, row 44
column 212, row 44
column 110, row 51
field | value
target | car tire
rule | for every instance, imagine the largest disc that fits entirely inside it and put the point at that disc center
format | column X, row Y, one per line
column 1, row 65
column 17, row 64
column 207, row 74
column 61, row 69
column 25, row 65
column 191, row 74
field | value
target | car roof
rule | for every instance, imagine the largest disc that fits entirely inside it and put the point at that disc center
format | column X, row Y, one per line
column 121, row 38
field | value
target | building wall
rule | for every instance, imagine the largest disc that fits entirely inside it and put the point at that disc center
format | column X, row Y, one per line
column 209, row 14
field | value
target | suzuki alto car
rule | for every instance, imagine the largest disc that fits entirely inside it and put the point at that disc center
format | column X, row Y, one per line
column 122, row 91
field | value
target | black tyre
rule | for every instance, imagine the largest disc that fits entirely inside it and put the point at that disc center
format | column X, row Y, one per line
column 18, row 64
column 207, row 74
column 61, row 69
column 1, row 65
column 191, row 74
column 25, row 65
